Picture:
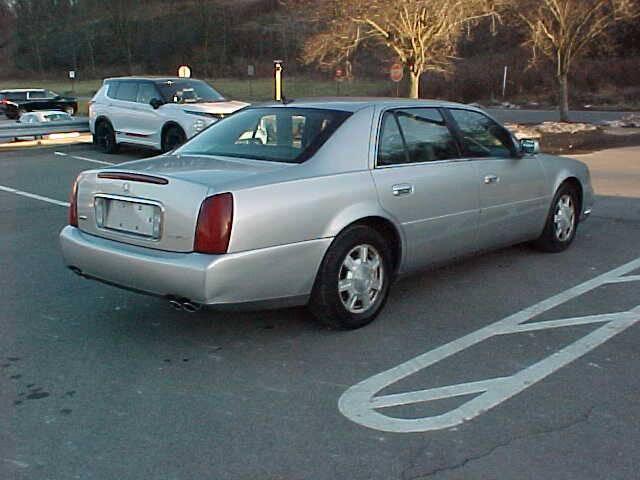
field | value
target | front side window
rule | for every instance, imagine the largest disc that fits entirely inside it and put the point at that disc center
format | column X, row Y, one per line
column 37, row 95
column 481, row 136
column 284, row 134
column 415, row 135
column 146, row 92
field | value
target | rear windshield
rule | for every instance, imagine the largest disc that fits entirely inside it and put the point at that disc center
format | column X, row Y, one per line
column 188, row 91
column 285, row 134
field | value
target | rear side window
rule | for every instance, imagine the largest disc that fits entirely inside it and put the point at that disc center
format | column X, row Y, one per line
column 127, row 91
column 481, row 136
column 415, row 135
column 391, row 150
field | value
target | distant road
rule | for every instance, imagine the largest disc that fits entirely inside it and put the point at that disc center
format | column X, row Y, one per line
column 539, row 116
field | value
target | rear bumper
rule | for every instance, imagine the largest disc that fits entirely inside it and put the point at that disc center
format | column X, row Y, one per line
column 252, row 277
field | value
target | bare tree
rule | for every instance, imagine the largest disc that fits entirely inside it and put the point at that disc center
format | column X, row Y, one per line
column 563, row 30
column 423, row 34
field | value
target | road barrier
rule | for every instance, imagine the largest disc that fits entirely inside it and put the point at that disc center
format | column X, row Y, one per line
column 36, row 130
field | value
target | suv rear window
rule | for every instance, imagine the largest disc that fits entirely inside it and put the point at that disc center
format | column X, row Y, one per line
column 16, row 96
column 290, row 135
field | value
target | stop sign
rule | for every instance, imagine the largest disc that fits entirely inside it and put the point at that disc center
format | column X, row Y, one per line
column 396, row 72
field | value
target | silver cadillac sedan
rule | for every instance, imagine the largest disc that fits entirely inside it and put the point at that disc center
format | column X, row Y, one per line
column 320, row 203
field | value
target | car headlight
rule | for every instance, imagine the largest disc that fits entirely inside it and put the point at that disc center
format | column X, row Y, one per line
column 199, row 125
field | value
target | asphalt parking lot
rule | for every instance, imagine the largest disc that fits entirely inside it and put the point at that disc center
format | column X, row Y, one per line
column 99, row 383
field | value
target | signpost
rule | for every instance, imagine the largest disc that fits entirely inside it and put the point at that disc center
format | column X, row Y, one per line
column 396, row 73
column 184, row 71
column 277, row 80
column 504, row 82
column 339, row 78
column 72, row 77
column 251, row 72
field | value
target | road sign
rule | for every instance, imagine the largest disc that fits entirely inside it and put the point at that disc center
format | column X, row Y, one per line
column 396, row 72
column 184, row 71
column 339, row 74
column 251, row 70
column 72, row 74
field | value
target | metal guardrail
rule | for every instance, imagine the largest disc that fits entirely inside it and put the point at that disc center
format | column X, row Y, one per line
column 15, row 130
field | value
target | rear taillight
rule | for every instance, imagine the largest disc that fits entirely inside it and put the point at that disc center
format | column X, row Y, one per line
column 73, row 204
column 213, row 230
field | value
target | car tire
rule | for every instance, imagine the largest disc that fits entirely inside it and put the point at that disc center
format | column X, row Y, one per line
column 353, row 281
column 105, row 138
column 562, row 221
column 172, row 138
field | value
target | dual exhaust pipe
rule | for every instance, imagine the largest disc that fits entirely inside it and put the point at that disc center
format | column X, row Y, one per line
column 184, row 305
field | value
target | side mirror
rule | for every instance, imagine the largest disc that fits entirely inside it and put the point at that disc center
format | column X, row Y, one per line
column 156, row 103
column 529, row 146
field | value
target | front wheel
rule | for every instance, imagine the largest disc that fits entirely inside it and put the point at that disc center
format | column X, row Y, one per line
column 173, row 137
column 105, row 138
column 562, row 221
column 354, row 279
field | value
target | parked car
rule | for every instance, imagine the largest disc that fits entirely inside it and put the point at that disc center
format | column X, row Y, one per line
column 320, row 202
column 16, row 102
column 45, row 116
column 161, row 113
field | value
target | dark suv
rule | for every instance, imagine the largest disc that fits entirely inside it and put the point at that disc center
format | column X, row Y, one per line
column 15, row 102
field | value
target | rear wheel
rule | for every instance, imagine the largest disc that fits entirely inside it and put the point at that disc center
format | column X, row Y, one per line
column 172, row 138
column 353, row 281
column 105, row 138
column 562, row 221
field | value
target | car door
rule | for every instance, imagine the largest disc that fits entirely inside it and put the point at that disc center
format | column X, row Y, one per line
column 425, row 185
column 145, row 121
column 120, row 112
column 512, row 187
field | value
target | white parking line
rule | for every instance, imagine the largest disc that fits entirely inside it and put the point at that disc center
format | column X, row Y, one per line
column 86, row 159
column 360, row 403
column 33, row 195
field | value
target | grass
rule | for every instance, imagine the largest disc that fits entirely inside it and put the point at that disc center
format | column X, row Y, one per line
column 257, row 89
column 254, row 90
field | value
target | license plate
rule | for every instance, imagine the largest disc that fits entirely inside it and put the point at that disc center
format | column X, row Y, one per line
column 132, row 217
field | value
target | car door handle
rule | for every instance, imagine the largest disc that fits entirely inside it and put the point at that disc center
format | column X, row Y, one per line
column 489, row 179
column 402, row 189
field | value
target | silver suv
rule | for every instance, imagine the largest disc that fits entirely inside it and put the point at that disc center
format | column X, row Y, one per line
column 161, row 113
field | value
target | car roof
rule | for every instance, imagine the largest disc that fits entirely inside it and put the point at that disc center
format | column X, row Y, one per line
column 151, row 78
column 22, row 90
column 353, row 104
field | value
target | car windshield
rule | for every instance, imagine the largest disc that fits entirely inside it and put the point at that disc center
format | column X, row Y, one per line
column 188, row 91
column 290, row 135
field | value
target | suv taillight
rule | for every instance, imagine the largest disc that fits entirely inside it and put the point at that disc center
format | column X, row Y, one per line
column 73, row 204
column 213, row 230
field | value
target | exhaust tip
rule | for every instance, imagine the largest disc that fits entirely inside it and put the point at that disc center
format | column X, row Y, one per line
column 176, row 305
column 190, row 307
